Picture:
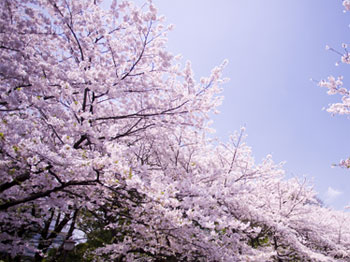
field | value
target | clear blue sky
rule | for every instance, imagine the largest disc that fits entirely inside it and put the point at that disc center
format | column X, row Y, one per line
column 274, row 47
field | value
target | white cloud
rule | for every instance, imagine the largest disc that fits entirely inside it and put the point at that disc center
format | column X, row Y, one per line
column 332, row 194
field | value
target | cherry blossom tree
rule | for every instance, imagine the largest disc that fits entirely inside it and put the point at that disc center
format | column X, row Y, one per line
column 335, row 85
column 101, row 125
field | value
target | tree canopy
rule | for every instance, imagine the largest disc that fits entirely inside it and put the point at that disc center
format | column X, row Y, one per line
column 104, row 131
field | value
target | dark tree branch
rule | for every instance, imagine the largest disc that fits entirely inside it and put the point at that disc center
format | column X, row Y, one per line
column 80, row 141
column 46, row 193
column 139, row 114
column 16, row 181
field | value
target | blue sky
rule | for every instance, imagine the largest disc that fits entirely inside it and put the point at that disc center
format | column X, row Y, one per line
column 274, row 47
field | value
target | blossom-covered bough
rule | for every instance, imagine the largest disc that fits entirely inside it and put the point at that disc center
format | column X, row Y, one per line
column 335, row 85
column 100, row 125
